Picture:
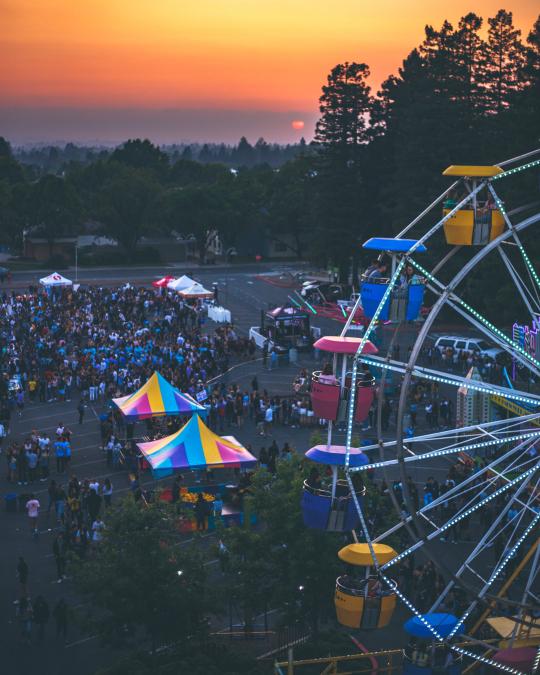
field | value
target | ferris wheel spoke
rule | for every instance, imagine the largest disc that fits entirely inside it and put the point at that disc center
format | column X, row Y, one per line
column 453, row 380
column 494, row 530
column 486, row 428
column 462, row 488
column 452, row 450
column 505, row 558
column 477, row 320
column 526, row 295
column 530, row 267
column 523, row 478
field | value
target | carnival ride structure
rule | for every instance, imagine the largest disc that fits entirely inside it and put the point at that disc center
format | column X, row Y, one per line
column 477, row 227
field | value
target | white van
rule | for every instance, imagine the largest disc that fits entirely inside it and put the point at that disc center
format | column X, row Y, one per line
column 460, row 343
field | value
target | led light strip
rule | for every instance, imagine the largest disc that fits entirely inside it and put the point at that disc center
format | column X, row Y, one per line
column 510, row 172
column 499, row 569
column 524, row 255
column 448, row 451
column 478, row 316
column 456, row 519
column 352, row 395
column 455, row 383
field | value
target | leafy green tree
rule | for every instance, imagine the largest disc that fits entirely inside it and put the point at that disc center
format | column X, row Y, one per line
column 142, row 154
column 126, row 204
column 196, row 210
column 53, row 208
column 283, row 565
column 290, row 204
column 141, row 584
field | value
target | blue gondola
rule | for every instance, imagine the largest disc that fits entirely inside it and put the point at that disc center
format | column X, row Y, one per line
column 404, row 302
column 419, row 658
column 333, row 508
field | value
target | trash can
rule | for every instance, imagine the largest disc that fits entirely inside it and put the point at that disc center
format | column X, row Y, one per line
column 293, row 355
column 11, row 502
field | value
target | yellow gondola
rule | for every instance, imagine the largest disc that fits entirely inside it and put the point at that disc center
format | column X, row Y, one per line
column 479, row 222
column 363, row 601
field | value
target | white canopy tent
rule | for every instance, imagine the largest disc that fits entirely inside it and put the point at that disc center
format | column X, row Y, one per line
column 181, row 283
column 55, row 279
column 196, row 290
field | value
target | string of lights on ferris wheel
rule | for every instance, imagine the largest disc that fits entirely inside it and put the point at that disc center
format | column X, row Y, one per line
column 447, row 451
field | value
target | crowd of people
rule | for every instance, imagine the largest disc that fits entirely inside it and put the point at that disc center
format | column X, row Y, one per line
column 102, row 343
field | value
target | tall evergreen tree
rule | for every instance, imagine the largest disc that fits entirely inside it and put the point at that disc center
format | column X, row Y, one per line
column 505, row 61
column 345, row 105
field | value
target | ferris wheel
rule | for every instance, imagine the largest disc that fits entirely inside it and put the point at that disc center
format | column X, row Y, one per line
column 495, row 439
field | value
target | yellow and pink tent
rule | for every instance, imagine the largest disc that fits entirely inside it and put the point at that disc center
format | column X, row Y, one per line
column 157, row 398
column 192, row 447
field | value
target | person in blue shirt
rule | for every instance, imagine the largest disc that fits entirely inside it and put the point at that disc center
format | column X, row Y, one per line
column 60, row 453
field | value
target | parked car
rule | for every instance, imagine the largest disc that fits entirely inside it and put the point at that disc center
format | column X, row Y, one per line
column 468, row 344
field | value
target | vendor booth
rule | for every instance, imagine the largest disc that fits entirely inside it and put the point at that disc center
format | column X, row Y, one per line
column 195, row 291
column 195, row 447
column 55, row 280
column 181, row 283
column 285, row 328
column 163, row 282
column 157, row 398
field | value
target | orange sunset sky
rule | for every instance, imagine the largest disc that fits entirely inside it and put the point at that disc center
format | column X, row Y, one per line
column 198, row 69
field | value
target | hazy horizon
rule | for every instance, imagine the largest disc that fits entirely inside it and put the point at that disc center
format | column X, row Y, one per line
column 27, row 126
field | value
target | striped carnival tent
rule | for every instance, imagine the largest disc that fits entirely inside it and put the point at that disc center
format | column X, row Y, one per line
column 157, row 398
column 193, row 447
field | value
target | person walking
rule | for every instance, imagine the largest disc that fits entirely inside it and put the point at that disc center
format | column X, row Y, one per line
column 41, row 615
column 60, row 614
column 32, row 508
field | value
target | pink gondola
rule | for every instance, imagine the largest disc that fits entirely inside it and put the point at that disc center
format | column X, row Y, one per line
column 324, row 397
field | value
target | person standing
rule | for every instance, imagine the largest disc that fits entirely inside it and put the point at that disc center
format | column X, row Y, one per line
column 60, row 614
column 41, row 615
column 32, row 508
column 200, row 512
column 97, row 530
column 107, row 491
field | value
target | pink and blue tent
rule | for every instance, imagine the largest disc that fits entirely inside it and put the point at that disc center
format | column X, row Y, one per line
column 157, row 398
column 194, row 447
